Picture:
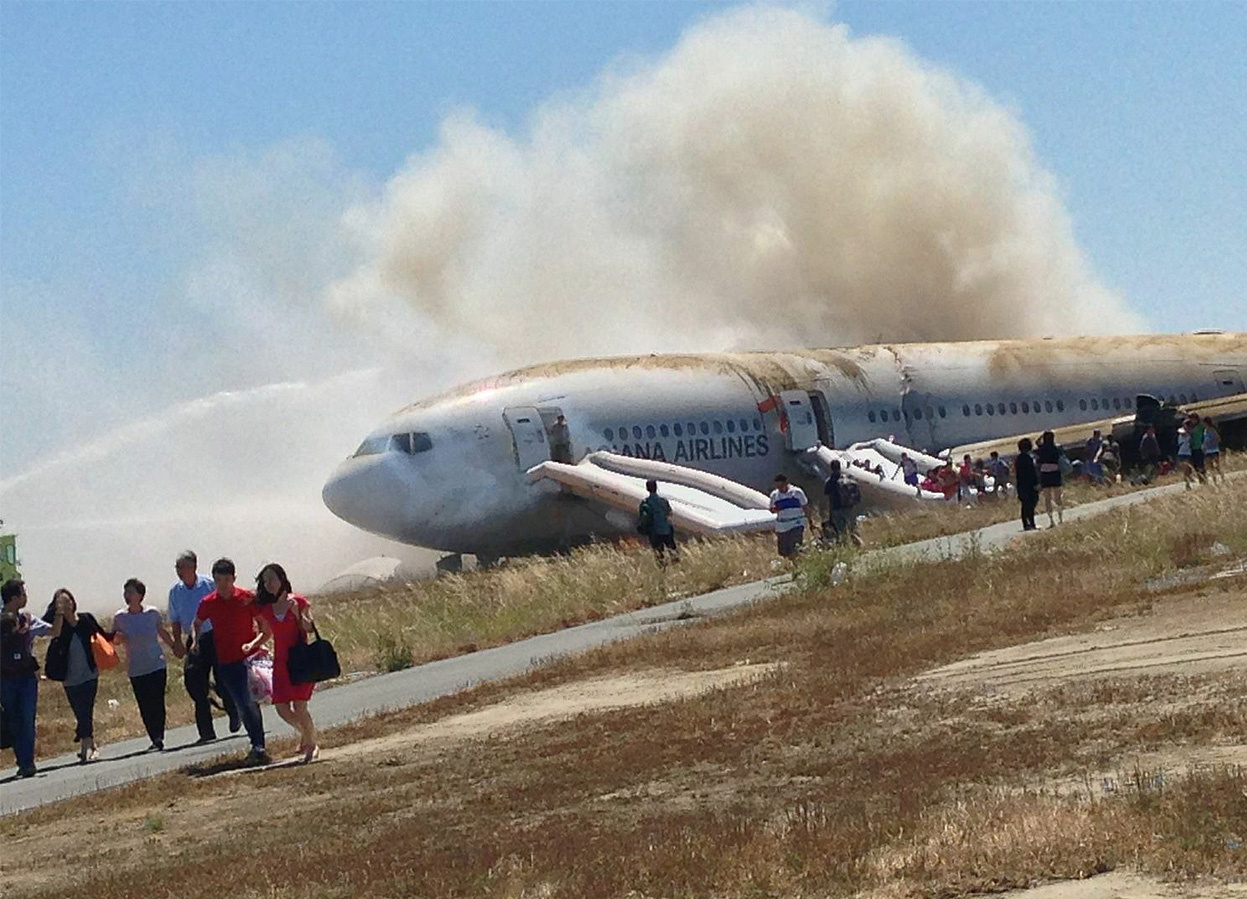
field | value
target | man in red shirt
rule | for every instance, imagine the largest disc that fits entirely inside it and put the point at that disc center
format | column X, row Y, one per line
column 234, row 618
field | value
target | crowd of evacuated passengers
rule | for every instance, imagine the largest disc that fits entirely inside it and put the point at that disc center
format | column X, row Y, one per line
column 218, row 630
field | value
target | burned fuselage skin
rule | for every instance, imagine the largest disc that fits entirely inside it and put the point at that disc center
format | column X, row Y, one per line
column 456, row 480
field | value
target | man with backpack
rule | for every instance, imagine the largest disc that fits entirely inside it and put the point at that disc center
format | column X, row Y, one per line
column 843, row 496
column 654, row 521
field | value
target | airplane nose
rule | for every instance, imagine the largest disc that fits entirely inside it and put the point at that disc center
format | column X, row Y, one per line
column 365, row 492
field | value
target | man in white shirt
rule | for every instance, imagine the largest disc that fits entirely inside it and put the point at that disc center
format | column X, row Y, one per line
column 791, row 508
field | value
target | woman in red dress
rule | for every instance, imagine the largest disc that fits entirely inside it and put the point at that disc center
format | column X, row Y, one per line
column 290, row 618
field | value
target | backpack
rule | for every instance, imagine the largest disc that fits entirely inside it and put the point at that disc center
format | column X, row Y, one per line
column 645, row 519
column 850, row 493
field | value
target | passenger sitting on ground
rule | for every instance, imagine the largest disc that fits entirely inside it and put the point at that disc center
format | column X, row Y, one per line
column 1110, row 460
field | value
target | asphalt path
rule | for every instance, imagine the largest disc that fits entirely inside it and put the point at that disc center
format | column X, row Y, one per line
column 128, row 761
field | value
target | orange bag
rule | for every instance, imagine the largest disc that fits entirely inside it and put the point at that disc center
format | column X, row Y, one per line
column 104, row 653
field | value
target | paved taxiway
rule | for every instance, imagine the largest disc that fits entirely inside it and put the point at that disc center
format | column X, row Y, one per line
column 127, row 761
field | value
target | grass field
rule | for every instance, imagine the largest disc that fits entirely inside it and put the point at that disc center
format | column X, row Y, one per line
column 832, row 775
column 392, row 627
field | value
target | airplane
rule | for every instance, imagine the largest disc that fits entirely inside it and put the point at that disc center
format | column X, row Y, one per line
column 474, row 470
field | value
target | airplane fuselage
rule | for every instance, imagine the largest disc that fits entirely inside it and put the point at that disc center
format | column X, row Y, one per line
column 457, row 480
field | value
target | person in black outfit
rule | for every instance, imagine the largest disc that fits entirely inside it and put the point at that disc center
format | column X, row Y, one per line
column 1027, row 477
column 71, row 661
column 1050, row 479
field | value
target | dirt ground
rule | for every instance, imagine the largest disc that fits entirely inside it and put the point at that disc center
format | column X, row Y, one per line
column 1121, row 885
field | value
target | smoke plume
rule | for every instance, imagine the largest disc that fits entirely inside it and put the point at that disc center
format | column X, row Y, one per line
column 769, row 182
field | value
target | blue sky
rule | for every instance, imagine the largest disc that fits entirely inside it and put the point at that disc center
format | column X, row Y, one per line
column 1136, row 108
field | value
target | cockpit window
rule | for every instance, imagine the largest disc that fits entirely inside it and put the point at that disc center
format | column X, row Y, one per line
column 372, row 446
column 408, row 444
column 416, row 442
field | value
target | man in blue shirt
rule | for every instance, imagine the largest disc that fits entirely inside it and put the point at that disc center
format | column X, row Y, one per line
column 184, row 598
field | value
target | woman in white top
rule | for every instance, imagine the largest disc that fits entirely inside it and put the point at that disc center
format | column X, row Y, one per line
column 142, row 631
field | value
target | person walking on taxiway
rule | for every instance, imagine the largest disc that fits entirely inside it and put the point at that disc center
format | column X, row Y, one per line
column 200, row 656
column 19, row 674
column 234, row 617
column 71, row 661
column 791, row 508
column 289, row 618
column 142, row 631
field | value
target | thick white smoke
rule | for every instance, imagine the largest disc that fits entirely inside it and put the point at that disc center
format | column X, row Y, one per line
column 771, row 181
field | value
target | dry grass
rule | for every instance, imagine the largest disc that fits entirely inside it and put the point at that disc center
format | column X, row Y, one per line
column 831, row 777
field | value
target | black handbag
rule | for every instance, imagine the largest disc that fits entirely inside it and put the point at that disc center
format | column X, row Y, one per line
column 56, row 663
column 314, row 661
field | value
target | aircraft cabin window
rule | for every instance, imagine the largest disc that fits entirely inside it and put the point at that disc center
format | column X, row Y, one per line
column 636, row 432
column 930, row 412
column 978, row 408
column 896, row 414
column 609, row 434
column 1082, row 404
column 677, row 429
column 757, row 425
column 662, row 429
column 744, row 426
column 651, row 432
column 991, row 410
column 1000, row 407
column 1047, row 405
column 943, row 412
column 1013, row 408
column 402, row 443
column 1060, row 405
column 870, row 416
column 965, row 410
column 717, row 426
column 1116, row 402
column 373, row 445
column 1026, row 408
column 1095, row 404
column 731, row 426
column 623, row 432
column 705, row 429
column 918, row 414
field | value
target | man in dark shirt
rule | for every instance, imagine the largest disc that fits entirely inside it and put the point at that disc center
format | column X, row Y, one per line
column 1027, row 477
column 840, row 512
column 654, row 519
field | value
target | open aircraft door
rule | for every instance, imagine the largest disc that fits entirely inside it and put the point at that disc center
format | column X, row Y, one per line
column 1229, row 381
column 802, row 422
column 529, row 434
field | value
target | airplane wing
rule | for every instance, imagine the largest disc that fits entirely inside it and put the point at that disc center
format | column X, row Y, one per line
column 1229, row 410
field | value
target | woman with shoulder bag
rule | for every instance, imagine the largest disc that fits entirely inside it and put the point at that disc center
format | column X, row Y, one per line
column 71, row 660
column 290, row 618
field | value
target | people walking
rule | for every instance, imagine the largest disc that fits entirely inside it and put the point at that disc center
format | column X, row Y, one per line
column 234, row 616
column 142, row 631
column 1186, row 451
column 1212, row 450
column 843, row 496
column 1149, row 454
column 71, row 660
column 654, row 520
column 1050, row 478
column 289, row 619
column 790, row 507
column 19, row 674
column 1026, row 476
column 200, row 665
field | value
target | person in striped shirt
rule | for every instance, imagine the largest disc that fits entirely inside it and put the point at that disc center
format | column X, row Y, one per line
column 791, row 508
